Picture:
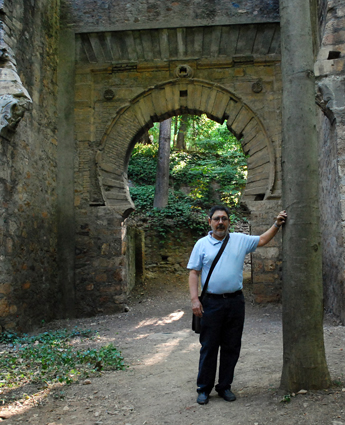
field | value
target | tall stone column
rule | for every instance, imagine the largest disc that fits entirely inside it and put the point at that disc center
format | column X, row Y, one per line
column 65, row 175
column 304, row 363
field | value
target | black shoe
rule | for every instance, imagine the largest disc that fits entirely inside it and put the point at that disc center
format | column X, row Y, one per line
column 227, row 395
column 202, row 398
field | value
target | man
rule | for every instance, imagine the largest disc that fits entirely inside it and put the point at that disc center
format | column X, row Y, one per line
column 222, row 310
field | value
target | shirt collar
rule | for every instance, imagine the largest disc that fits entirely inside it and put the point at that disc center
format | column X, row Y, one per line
column 213, row 240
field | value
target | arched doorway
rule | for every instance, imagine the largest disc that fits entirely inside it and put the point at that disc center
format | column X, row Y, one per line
column 188, row 96
column 183, row 96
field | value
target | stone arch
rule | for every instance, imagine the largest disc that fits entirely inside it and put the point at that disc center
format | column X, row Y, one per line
column 182, row 96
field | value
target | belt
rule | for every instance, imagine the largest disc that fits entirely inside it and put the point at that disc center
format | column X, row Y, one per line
column 226, row 295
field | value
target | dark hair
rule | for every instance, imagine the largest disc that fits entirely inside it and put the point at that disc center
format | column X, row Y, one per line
column 219, row 208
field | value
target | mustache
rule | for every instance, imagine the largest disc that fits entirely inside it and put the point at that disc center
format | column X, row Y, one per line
column 221, row 226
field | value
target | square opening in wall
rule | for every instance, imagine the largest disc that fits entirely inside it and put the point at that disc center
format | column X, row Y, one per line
column 333, row 54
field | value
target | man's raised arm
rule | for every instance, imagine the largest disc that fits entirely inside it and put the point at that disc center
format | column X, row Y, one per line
column 272, row 231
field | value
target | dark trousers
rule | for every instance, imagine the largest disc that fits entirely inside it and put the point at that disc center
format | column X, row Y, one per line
column 221, row 328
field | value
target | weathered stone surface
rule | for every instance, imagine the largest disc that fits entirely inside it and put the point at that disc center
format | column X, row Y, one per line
column 28, row 163
column 216, row 42
column 129, row 48
column 114, row 14
column 329, row 71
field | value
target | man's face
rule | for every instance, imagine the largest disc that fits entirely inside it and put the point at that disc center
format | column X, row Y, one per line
column 219, row 224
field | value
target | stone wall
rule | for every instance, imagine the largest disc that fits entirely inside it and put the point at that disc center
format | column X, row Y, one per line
column 332, row 232
column 115, row 15
column 267, row 260
column 170, row 255
column 28, row 290
column 59, row 205
column 329, row 72
column 101, row 192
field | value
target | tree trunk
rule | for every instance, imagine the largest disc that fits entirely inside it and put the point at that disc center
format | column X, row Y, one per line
column 175, row 130
column 162, row 178
column 304, row 363
column 180, row 141
column 145, row 139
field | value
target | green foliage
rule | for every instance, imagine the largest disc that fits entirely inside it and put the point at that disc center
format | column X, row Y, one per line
column 286, row 398
column 178, row 213
column 142, row 167
column 214, row 158
column 51, row 357
column 199, row 169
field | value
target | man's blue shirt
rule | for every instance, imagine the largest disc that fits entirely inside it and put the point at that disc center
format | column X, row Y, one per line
column 227, row 276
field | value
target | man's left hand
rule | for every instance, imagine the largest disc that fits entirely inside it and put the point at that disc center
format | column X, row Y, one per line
column 281, row 218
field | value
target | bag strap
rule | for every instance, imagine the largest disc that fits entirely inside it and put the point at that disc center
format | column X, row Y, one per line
column 213, row 265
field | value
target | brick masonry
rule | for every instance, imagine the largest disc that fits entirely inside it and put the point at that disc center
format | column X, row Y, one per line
column 329, row 72
column 75, row 130
column 110, row 15
column 147, row 92
column 28, row 290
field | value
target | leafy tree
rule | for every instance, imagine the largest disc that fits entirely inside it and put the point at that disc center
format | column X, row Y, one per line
column 213, row 157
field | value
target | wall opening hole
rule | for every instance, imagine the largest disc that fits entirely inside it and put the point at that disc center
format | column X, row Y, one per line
column 183, row 93
column 259, row 197
column 333, row 54
column 97, row 204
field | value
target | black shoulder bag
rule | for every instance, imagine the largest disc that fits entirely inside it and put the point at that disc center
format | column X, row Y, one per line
column 196, row 320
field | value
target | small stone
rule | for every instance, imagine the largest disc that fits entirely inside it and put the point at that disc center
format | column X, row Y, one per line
column 302, row 392
column 87, row 382
column 126, row 309
column 343, row 390
column 65, row 408
column 127, row 408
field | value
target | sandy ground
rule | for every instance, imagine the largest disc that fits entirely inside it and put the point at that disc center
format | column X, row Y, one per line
column 159, row 386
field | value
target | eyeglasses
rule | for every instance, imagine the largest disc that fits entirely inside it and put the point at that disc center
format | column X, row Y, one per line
column 223, row 219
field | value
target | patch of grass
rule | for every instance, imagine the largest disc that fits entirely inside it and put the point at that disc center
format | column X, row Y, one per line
column 50, row 357
column 286, row 398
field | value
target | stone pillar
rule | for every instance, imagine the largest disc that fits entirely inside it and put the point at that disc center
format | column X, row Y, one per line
column 304, row 363
column 65, row 176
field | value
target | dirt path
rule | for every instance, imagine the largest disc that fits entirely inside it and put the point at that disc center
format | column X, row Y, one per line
column 159, row 385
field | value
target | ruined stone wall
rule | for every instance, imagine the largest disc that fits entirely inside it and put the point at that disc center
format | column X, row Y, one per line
column 330, row 78
column 171, row 253
column 100, row 91
column 28, row 291
column 115, row 15
column 266, row 261
column 332, row 232
column 44, row 145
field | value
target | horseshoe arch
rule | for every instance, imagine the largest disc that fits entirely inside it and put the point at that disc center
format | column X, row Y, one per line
column 175, row 97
